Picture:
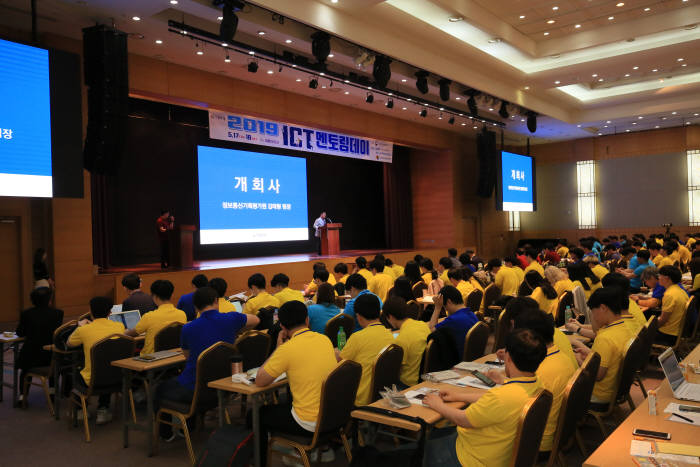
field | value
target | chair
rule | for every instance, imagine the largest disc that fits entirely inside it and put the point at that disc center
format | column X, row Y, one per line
column 431, row 359
column 685, row 327
column 104, row 378
column 335, row 323
column 502, row 327
column 44, row 373
column 87, row 315
column 387, row 369
column 418, row 289
column 413, row 309
column 168, row 337
column 475, row 342
column 574, row 404
column 474, row 300
column 212, row 364
column 339, row 300
column 254, row 347
column 267, row 317
column 647, row 334
column 565, row 299
column 491, row 294
column 533, row 421
column 338, row 394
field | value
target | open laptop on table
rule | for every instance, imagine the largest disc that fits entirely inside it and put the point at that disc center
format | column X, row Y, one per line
column 128, row 318
column 681, row 388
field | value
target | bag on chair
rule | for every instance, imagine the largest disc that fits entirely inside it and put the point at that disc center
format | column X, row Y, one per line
column 230, row 445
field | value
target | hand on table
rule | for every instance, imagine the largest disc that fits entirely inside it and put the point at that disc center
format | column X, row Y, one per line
column 572, row 325
column 433, row 400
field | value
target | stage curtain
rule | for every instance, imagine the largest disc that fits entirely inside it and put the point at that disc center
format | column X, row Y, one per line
column 101, row 220
column 398, row 211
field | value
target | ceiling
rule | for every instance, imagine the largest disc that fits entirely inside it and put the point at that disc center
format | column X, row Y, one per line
column 599, row 78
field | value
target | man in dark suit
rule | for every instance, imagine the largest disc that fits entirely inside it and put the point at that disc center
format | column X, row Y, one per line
column 37, row 325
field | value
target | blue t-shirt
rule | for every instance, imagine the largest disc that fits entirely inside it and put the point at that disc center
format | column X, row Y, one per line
column 350, row 307
column 197, row 336
column 187, row 305
column 634, row 262
column 636, row 281
column 658, row 292
column 459, row 323
column 319, row 314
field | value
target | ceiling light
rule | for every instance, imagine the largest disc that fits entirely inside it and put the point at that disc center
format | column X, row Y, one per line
column 331, row 55
column 158, row 41
column 696, row 114
column 334, row 1
column 600, row 80
column 220, row 18
column 288, row 41
column 251, row 53
column 608, row 121
column 687, row 123
column 227, row 59
column 313, row 84
column 635, row 68
column 578, row 126
column 403, row 108
column 674, row 113
column 654, row 70
column 455, row 19
column 555, row 8
column 269, row 72
column 475, row 127
column 346, row 81
column 577, row 26
column 522, row 16
column 347, row 92
column 490, row 109
column 557, row 82
column 627, row 75
column 627, row 131
column 640, row 117
column 322, row 74
column 136, row 18
column 663, row 118
column 261, row 33
column 610, row 18
column 605, row 126
column 464, row 124
column 173, row 2
column 657, row 126
column 403, row 80
column 546, row 34
column 600, row 134
column 648, row 9
column 685, row 64
column 458, row 98
column 595, row 75
column 298, row 80
column 527, row 88
column 620, row 4
column 679, row 60
column 551, row 21
column 634, row 123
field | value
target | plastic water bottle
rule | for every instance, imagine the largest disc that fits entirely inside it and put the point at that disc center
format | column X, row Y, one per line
column 651, row 394
column 567, row 314
column 342, row 338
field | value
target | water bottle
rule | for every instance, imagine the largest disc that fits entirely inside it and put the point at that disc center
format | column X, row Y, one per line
column 341, row 338
column 567, row 314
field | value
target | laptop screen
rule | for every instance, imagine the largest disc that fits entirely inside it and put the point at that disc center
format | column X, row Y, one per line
column 131, row 318
column 237, row 305
column 671, row 370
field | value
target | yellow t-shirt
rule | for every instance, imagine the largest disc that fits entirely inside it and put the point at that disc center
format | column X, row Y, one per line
column 564, row 345
column 696, row 282
column 507, row 280
column 684, row 254
column 546, row 304
column 288, row 295
column 342, row 279
column 412, row 339
column 465, row 288
column 554, row 373
column 476, row 284
column 665, row 261
column 224, row 306
column 535, row 266
column 563, row 252
column 398, row 270
column 637, row 315
column 691, row 241
column 675, row 256
column 88, row 335
column 153, row 321
column 659, row 241
column 600, row 271
column 520, row 273
column 380, row 284
column 444, row 278
column 657, row 260
column 363, row 347
column 610, row 343
column 261, row 300
column 564, row 285
column 591, row 287
column 307, row 358
column 673, row 302
column 427, row 277
column 494, row 419
column 366, row 273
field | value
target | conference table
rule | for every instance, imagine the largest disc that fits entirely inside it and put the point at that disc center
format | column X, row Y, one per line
column 615, row 450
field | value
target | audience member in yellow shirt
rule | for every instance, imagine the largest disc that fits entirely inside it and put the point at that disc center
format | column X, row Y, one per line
column 361, row 268
column 666, row 257
column 364, row 346
column 340, row 273
column 531, row 257
column 655, row 253
column 259, row 296
column 559, row 279
column 690, row 242
column 513, row 263
column 220, row 286
column 88, row 334
column 152, row 322
column 581, row 275
column 505, row 278
column 487, row 428
column 281, row 290
column 397, row 268
column 543, row 293
column 312, row 286
column 562, row 248
column 465, row 288
column 412, row 338
column 684, row 254
column 426, row 269
column 594, row 264
column 380, row 283
column 673, row 305
column 444, row 265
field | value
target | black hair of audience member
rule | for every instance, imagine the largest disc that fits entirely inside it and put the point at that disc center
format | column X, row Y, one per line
column 580, row 271
column 356, row 281
column 695, row 254
column 427, row 263
column 341, row 268
column 377, row 265
column 396, row 307
column 41, row 297
column 586, row 244
column 465, row 259
column 577, row 252
column 615, row 279
column 628, row 250
column 418, row 259
column 258, row 280
column 450, row 292
column 445, row 262
column 163, row 289
column 205, row 297
column 402, row 288
column 652, row 245
column 412, row 272
column 668, row 249
column 536, row 280
column 339, row 288
column 609, row 247
column 379, row 256
column 219, row 285
column 455, row 273
column 388, row 262
column 511, row 259
column 100, row 307
column 467, row 273
column 608, row 296
column 637, row 244
column 671, row 272
column 531, row 253
column 200, row 280
column 321, row 274
column 563, row 241
column 361, row 262
column 367, row 306
column 319, row 265
column 541, row 322
column 526, row 349
column 643, row 254
column 493, row 263
column 519, row 305
column 452, row 252
column 292, row 314
column 279, row 279
column 131, row 281
column 325, row 294
column 549, row 246
column 694, row 265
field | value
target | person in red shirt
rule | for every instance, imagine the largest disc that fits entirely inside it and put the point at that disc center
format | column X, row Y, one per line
column 165, row 223
column 550, row 255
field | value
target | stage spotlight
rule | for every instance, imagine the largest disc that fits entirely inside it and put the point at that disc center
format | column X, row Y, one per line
column 382, row 71
column 451, row 121
column 532, row 121
column 229, row 23
column 278, row 18
column 422, row 81
column 313, row 84
column 370, row 98
column 320, row 46
column 473, row 108
column 423, row 113
column 390, row 104
column 503, row 111
column 253, row 67
column 445, row 89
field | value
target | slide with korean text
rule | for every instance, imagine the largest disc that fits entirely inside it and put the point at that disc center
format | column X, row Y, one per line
column 249, row 197
column 517, row 182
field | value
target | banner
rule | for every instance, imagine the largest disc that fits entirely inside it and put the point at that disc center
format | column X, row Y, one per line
column 252, row 130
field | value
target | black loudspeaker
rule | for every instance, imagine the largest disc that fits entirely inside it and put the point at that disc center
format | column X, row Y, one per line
column 487, row 153
column 105, row 65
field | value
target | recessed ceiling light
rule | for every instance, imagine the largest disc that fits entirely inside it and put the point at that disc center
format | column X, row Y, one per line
column 627, row 75
column 522, row 119
column 578, row 126
column 261, row 33
column 455, row 19
column 610, row 18
column 600, row 80
column 663, row 118
column 687, row 123
column 346, row 81
column 331, row 55
column 640, row 117
column 251, row 53
column 546, row 34
column 490, row 109
column 674, row 113
column 527, row 88
column 458, row 98
column 557, row 82
column 323, row 74
column 620, row 4
column 224, row 44
column 657, row 126
column 403, row 108
column 648, row 9
column 635, row 68
column 595, row 75
column 199, row 52
column 403, row 80
column 475, row 127
column 173, row 2
column 227, row 59
column 654, row 70
column 696, row 114
column 288, row 41
column 522, row 16
column 634, row 123
column 685, row 64
column 334, row 1
column 679, row 60
column 464, row 124
column 600, row 134
column 608, row 121
column 551, row 21
column 347, row 92
column 605, row 126
column 298, row 80
column 627, row 131
column 158, row 41
column 220, row 18
column 577, row 26
column 269, row 72
column 136, row 18
column 555, row 8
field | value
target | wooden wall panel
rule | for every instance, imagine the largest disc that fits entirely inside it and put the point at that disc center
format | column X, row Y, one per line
column 432, row 196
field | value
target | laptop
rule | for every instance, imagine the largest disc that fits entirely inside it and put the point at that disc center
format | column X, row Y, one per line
column 116, row 308
column 238, row 306
column 128, row 318
column 681, row 388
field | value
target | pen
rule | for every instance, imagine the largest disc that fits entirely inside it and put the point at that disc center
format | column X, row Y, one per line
column 682, row 417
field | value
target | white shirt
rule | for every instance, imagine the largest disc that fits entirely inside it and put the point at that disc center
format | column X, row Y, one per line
column 318, row 223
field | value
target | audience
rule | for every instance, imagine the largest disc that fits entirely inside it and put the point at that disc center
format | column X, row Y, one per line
column 582, row 276
column 634, row 272
column 543, row 293
column 397, row 268
column 594, row 264
column 361, row 268
column 340, row 273
column 505, row 278
column 324, row 309
column 380, row 283
column 650, row 278
column 452, row 255
column 356, row 285
column 402, row 289
column 459, row 319
column 631, row 313
column 513, row 263
column 137, row 300
column 185, row 303
column 673, row 305
column 559, row 279
column 412, row 272
column 282, row 292
column 412, row 339
column 455, row 277
column 532, row 264
column 426, row 269
column 220, row 286
column 444, row 265
column 259, row 298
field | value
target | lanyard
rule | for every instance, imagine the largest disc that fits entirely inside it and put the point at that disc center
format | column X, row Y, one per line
column 299, row 334
column 519, row 381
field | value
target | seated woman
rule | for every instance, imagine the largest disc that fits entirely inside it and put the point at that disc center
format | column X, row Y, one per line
column 581, row 275
column 402, row 288
column 559, row 279
column 324, row 309
column 542, row 292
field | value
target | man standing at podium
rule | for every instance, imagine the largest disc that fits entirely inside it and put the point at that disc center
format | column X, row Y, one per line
column 165, row 224
column 318, row 224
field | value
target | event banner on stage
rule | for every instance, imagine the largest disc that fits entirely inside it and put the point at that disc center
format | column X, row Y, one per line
column 251, row 130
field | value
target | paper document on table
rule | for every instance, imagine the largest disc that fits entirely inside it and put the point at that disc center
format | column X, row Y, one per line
column 473, row 382
column 440, row 376
column 648, row 453
column 471, row 366
column 675, row 410
column 415, row 396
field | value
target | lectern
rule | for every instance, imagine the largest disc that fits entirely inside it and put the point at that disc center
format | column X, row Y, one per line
column 330, row 239
column 181, row 245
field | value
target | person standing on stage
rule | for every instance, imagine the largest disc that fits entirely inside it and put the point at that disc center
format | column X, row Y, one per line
column 165, row 224
column 318, row 224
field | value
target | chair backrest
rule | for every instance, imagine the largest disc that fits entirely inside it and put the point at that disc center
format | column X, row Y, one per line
column 413, row 309
column 491, row 294
column 631, row 362
column 418, row 289
column 502, row 326
column 168, row 337
column 333, row 327
column 212, row 364
column 103, row 353
column 652, row 326
column 254, row 347
column 565, row 299
column 387, row 369
column 62, row 333
column 431, row 358
column 338, row 394
column 688, row 325
column 87, row 315
column 267, row 317
column 475, row 342
column 533, row 420
column 474, row 300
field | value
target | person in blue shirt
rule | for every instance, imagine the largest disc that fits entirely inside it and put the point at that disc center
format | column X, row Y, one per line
column 211, row 327
column 324, row 309
column 185, row 303
column 356, row 285
column 650, row 278
column 459, row 319
column 634, row 274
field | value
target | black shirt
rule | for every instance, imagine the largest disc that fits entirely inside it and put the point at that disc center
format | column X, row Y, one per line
column 139, row 301
column 37, row 326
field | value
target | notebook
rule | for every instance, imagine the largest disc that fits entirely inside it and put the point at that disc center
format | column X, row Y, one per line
column 128, row 318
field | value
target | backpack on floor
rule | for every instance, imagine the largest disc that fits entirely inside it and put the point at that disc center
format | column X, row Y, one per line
column 228, row 446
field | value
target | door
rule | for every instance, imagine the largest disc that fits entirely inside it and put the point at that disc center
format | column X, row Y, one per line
column 10, row 270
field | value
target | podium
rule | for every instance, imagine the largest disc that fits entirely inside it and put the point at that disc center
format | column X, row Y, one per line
column 181, row 246
column 330, row 239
